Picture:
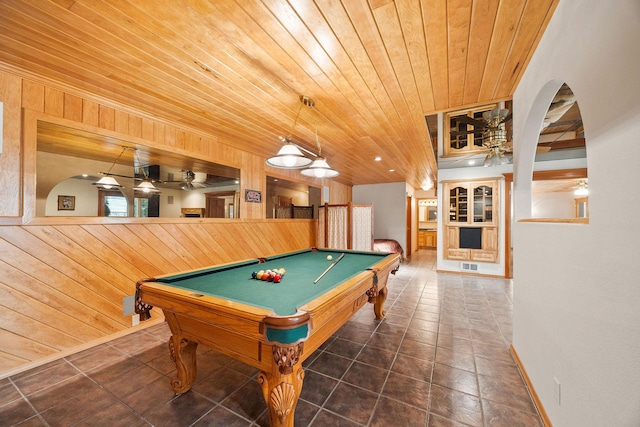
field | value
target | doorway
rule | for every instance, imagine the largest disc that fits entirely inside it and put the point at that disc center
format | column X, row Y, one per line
column 409, row 224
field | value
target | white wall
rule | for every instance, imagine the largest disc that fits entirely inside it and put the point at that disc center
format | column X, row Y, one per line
column 86, row 198
column 389, row 215
column 577, row 287
column 555, row 204
column 172, row 210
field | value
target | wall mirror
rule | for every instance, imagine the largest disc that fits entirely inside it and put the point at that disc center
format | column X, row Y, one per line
column 428, row 210
column 70, row 162
column 289, row 199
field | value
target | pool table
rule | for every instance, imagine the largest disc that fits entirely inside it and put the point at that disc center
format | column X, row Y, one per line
column 272, row 326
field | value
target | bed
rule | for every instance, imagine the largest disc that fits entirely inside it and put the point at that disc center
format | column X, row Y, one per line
column 388, row 245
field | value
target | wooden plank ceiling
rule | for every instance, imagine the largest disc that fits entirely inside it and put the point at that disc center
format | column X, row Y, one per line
column 236, row 69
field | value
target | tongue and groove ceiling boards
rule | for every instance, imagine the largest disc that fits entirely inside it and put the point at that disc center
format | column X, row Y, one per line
column 236, row 69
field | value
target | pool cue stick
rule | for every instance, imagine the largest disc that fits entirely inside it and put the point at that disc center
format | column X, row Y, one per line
column 328, row 268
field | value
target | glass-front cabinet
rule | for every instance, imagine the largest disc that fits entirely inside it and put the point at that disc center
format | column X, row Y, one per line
column 482, row 203
column 458, row 204
column 471, row 228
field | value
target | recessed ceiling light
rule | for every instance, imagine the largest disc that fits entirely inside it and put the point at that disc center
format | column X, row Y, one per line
column 377, row 159
column 472, row 162
column 392, row 170
column 84, row 175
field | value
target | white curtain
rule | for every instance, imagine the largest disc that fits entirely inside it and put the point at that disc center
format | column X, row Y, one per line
column 338, row 227
column 362, row 228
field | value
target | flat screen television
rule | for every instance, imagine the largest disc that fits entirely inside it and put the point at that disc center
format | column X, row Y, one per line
column 470, row 238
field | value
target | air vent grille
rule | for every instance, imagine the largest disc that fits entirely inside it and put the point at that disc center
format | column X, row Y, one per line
column 468, row 266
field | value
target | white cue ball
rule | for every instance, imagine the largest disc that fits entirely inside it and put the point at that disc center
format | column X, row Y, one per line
column 329, row 257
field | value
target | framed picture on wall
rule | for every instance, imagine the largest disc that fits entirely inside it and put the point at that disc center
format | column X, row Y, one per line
column 66, row 203
column 253, row 196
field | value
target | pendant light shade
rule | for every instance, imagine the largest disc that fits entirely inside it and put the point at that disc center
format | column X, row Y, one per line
column 146, row 186
column 319, row 168
column 289, row 157
column 108, row 183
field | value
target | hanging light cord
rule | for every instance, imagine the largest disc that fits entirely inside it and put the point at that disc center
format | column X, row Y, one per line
column 144, row 173
column 309, row 103
column 295, row 121
column 318, row 144
column 118, row 158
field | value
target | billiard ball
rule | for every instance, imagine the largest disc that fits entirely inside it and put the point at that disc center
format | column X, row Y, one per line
column 277, row 278
column 254, row 274
column 282, row 271
column 329, row 257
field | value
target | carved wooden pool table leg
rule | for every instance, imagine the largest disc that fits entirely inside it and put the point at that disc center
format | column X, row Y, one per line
column 378, row 305
column 282, row 386
column 183, row 354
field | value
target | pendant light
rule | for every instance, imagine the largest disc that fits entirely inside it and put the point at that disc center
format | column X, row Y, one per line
column 108, row 182
column 290, row 156
column 146, row 186
column 319, row 168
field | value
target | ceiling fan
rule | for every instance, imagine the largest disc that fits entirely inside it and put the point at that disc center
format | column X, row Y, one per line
column 189, row 181
column 492, row 127
column 494, row 137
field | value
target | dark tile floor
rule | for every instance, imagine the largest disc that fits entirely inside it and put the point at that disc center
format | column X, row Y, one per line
column 440, row 358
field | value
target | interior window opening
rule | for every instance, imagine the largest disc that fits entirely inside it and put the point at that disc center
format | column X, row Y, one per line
column 557, row 194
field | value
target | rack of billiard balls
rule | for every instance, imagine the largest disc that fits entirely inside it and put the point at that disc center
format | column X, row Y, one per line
column 274, row 275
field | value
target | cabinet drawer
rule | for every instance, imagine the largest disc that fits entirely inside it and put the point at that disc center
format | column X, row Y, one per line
column 459, row 254
column 484, row 256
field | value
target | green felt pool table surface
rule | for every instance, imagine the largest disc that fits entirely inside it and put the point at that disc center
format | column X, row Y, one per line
column 234, row 281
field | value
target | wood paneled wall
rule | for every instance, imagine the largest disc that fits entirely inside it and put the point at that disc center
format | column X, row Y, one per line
column 61, row 286
column 62, row 280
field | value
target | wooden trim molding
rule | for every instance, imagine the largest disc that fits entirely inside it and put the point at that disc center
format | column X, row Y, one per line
column 534, row 396
column 557, row 220
column 158, row 319
column 577, row 173
column 488, row 178
column 464, row 273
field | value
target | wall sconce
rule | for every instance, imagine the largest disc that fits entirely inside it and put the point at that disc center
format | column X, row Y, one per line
column 291, row 154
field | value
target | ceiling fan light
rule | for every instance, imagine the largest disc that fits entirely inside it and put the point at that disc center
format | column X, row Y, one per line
column 319, row 168
column 107, row 182
column 582, row 189
column 289, row 157
column 495, row 158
